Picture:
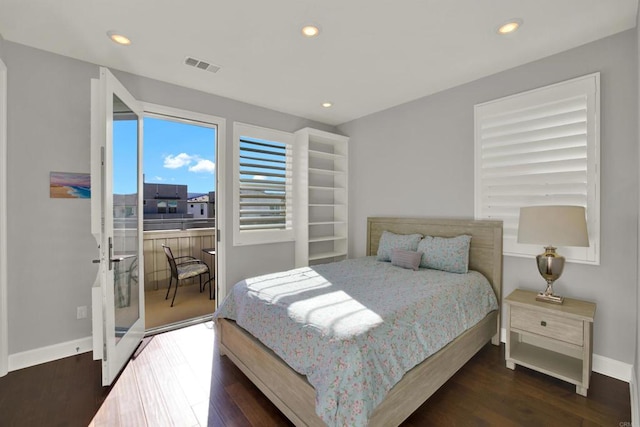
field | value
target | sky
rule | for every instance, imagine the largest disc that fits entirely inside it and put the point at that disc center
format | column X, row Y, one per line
column 174, row 153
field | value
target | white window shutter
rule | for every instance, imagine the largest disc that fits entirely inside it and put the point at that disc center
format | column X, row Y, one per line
column 263, row 187
column 540, row 148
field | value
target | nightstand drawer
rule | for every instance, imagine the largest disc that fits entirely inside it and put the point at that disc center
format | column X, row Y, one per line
column 548, row 325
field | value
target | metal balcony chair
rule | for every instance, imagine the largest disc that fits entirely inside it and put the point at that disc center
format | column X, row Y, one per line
column 185, row 267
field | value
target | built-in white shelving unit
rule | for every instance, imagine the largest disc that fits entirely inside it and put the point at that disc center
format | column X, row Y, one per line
column 320, row 188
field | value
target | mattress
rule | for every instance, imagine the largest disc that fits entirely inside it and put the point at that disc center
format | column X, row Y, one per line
column 355, row 327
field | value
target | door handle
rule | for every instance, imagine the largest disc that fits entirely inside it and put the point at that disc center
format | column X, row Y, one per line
column 111, row 259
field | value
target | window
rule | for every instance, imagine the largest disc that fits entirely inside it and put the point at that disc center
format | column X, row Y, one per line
column 540, row 147
column 263, row 185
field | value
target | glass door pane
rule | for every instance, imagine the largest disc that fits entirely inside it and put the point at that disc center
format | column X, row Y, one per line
column 125, row 218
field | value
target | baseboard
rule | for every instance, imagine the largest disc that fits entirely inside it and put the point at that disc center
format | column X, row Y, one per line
column 612, row 368
column 49, row 353
column 601, row 364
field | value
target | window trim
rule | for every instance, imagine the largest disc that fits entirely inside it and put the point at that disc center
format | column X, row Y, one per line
column 256, row 237
column 589, row 86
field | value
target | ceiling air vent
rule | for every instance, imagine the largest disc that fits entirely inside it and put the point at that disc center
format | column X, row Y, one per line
column 203, row 65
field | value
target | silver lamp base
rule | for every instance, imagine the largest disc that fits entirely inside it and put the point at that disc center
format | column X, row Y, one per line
column 549, row 297
column 550, row 266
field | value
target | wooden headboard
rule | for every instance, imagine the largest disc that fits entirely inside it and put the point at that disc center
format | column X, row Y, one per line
column 486, row 240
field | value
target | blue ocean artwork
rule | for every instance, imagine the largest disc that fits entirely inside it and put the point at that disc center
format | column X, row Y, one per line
column 68, row 185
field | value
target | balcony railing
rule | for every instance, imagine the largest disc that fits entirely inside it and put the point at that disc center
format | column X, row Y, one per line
column 161, row 223
column 185, row 236
column 182, row 242
column 178, row 223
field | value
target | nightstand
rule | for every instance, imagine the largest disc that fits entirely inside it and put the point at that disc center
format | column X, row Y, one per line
column 554, row 339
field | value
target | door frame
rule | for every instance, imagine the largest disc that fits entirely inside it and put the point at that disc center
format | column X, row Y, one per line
column 4, row 306
column 220, row 123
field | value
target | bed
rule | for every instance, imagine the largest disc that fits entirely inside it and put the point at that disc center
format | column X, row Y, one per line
column 296, row 397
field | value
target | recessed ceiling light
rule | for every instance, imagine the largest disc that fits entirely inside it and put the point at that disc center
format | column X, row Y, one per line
column 116, row 37
column 310, row 30
column 510, row 26
column 327, row 104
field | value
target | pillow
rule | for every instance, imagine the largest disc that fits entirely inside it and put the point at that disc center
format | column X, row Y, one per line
column 390, row 241
column 406, row 259
column 445, row 253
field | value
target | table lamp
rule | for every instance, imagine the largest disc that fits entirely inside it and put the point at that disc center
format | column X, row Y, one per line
column 552, row 226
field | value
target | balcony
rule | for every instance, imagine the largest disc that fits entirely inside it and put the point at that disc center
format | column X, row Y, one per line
column 183, row 241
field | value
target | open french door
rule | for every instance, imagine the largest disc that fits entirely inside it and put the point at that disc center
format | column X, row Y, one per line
column 116, row 223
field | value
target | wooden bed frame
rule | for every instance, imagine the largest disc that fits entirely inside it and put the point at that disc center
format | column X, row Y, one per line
column 295, row 397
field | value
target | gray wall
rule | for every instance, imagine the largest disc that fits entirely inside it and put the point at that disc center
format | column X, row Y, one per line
column 50, row 246
column 417, row 159
column 50, row 243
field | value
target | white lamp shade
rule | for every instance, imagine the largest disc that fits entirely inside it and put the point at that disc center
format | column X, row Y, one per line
column 553, row 226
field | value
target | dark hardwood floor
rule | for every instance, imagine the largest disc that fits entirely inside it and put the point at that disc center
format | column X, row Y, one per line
column 179, row 379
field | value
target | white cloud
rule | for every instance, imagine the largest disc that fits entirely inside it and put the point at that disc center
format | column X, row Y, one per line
column 175, row 162
column 158, row 178
column 203, row 165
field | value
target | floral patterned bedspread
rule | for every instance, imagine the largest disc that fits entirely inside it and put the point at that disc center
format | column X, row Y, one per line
column 355, row 327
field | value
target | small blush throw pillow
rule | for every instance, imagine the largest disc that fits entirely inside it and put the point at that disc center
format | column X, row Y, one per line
column 390, row 241
column 445, row 253
column 406, row 259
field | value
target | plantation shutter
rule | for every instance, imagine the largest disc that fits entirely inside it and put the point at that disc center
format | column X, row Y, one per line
column 265, row 185
column 540, row 148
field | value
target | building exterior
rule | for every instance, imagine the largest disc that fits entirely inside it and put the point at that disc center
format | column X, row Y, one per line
column 203, row 206
column 165, row 201
column 167, row 206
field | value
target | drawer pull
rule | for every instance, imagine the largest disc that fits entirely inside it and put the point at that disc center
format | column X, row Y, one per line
column 543, row 323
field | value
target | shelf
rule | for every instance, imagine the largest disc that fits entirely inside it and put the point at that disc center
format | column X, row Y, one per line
column 318, row 187
column 321, row 206
column 325, row 155
column 332, row 172
column 326, row 238
column 549, row 362
column 325, row 255
column 326, row 205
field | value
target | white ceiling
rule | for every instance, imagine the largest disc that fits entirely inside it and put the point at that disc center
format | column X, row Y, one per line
column 370, row 55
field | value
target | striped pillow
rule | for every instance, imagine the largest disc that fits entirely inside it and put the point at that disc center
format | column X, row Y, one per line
column 406, row 259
